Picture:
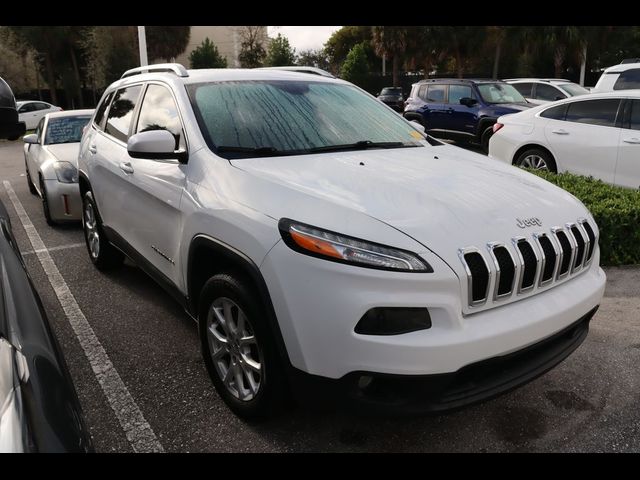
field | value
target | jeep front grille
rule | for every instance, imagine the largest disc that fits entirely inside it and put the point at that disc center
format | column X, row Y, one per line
column 530, row 264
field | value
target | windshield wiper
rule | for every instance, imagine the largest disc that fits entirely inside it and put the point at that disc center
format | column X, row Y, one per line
column 259, row 151
column 361, row 145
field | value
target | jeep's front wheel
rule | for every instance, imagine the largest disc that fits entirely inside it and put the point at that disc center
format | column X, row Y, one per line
column 238, row 349
column 102, row 254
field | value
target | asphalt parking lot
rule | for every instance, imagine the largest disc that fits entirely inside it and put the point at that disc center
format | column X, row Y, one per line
column 589, row 403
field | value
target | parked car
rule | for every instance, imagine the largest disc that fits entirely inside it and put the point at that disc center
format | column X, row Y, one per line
column 463, row 110
column 543, row 90
column 51, row 163
column 625, row 76
column 596, row 135
column 40, row 411
column 327, row 247
column 10, row 126
column 393, row 97
column 31, row 112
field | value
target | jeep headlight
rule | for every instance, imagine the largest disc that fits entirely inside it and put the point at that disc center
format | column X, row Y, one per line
column 344, row 249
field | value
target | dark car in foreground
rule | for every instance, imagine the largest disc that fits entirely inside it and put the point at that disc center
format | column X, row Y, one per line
column 39, row 408
column 393, row 97
column 462, row 110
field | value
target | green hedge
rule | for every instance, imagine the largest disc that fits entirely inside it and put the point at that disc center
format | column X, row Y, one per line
column 616, row 210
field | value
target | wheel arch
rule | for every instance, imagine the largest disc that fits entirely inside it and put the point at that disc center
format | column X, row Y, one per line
column 209, row 256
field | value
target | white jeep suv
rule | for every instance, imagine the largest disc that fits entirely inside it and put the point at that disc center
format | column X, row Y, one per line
column 325, row 245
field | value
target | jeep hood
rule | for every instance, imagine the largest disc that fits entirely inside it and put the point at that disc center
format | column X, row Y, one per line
column 444, row 197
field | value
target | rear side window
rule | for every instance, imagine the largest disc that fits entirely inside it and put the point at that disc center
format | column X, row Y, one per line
column 436, row 93
column 600, row 112
column 101, row 111
column 635, row 115
column 548, row 93
column 159, row 112
column 523, row 88
column 42, row 106
column 422, row 92
column 27, row 107
column 628, row 80
column 555, row 113
column 121, row 112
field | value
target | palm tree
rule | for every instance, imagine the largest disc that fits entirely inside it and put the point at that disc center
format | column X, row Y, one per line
column 564, row 41
column 390, row 42
column 426, row 46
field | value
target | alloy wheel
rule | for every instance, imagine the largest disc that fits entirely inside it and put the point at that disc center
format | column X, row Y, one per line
column 536, row 162
column 91, row 230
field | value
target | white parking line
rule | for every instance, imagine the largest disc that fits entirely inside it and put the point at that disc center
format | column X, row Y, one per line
column 54, row 249
column 138, row 431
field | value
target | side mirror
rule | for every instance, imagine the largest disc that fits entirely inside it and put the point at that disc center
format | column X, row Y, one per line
column 33, row 138
column 418, row 126
column 155, row 145
column 468, row 101
column 560, row 97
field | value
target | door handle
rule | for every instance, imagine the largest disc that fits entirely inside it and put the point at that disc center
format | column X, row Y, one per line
column 560, row 132
column 633, row 140
column 126, row 167
column 93, row 150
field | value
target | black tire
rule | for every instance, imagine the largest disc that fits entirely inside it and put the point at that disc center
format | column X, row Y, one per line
column 106, row 256
column 13, row 139
column 45, row 204
column 539, row 152
column 484, row 139
column 271, row 394
column 32, row 187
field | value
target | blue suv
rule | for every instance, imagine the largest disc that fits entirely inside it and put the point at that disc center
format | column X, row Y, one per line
column 462, row 110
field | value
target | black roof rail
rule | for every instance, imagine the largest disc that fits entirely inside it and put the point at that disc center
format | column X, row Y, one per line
column 176, row 68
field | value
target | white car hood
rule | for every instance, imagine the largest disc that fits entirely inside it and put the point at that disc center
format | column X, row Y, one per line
column 444, row 197
column 65, row 152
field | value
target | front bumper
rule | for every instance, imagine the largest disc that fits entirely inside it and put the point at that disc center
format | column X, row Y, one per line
column 319, row 303
column 412, row 394
column 56, row 191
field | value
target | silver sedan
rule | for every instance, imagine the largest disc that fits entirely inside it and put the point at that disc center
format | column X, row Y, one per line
column 51, row 163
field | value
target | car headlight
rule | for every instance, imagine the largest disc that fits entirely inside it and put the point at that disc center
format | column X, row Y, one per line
column 333, row 246
column 66, row 172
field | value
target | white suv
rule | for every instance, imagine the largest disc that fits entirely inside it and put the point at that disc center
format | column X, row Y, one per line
column 625, row 76
column 325, row 244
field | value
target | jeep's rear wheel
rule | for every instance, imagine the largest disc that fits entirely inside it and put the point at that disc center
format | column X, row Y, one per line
column 102, row 254
column 238, row 349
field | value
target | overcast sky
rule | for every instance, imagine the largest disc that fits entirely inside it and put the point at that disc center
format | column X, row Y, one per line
column 304, row 38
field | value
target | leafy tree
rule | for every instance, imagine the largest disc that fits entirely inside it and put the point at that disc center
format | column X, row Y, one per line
column 280, row 52
column 206, row 55
column 252, row 52
column 343, row 40
column 390, row 42
column 19, row 66
column 166, row 42
column 426, row 46
column 110, row 51
column 314, row 58
column 356, row 68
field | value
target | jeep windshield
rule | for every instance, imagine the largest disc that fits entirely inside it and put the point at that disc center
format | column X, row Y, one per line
column 244, row 119
column 500, row 93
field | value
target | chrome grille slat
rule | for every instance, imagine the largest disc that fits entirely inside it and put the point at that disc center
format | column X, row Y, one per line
column 537, row 263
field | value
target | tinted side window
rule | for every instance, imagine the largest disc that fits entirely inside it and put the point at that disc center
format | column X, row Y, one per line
column 38, row 131
column 556, row 113
column 102, row 108
column 635, row 115
column 456, row 92
column 523, row 88
column 27, row 107
column 436, row 93
column 628, row 80
column 159, row 112
column 594, row 112
column 121, row 112
column 548, row 93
